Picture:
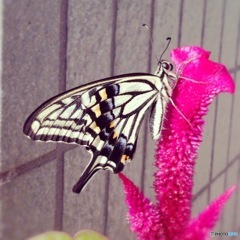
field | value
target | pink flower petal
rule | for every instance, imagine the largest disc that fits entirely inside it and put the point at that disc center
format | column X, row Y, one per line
column 200, row 227
column 143, row 215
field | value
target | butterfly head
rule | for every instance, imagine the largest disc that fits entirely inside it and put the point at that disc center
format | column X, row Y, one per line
column 166, row 66
column 165, row 69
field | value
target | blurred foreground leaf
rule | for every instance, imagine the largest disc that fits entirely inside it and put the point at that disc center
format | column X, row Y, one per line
column 89, row 235
column 57, row 235
column 52, row 235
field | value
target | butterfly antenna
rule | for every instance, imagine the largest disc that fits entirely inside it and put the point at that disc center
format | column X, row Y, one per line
column 169, row 40
column 150, row 38
column 174, row 105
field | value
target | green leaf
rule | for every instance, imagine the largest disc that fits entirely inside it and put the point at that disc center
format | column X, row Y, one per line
column 89, row 235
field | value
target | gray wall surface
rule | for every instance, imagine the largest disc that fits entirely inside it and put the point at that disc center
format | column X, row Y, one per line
column 51, row 46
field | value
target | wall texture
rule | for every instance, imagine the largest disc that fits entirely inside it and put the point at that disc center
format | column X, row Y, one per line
column 51, row 46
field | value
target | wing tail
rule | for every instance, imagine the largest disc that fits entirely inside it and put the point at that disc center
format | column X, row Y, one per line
column 88, row 173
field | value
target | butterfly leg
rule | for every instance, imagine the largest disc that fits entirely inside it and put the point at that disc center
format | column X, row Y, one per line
column 179, row 111
column 181, row 68
column 183, row 65
column 192, row 80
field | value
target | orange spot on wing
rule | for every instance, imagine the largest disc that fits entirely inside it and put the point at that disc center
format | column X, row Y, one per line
column 112, row 125
column 96, row 110
column 115, row 135
column 124, row 159
column 103, row 94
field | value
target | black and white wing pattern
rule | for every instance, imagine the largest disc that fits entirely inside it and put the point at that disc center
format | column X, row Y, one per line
column 104, row 116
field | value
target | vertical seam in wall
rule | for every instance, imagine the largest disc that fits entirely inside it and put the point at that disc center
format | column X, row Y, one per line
column 152, row 13
column 231, row 121
column 203, row 22
column 149, row 66
column 236, row 201
column 1, row 64
column 232, row 103
column 112, row 69
column 180, row 23
column 237, row 194
column 216, row 107
column 59, row 190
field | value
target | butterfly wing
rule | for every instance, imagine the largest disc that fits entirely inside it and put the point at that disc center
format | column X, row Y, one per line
column 104, row 116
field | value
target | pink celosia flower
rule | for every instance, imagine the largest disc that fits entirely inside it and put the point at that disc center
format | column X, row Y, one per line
column 176, row 154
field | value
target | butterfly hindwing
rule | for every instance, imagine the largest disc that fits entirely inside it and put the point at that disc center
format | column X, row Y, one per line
column 114, row 146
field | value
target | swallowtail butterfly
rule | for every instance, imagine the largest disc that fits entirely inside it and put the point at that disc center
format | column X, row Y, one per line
column 105, row 116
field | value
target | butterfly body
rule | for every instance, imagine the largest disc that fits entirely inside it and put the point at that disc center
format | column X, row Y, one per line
column 105, row 116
